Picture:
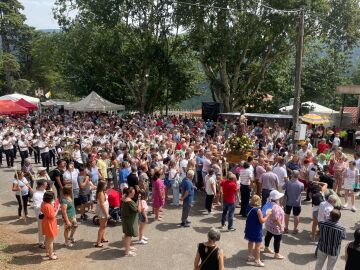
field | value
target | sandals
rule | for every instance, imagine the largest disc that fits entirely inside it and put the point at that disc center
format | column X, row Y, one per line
column 69, row 244
column 98, row 245
column 130, row 254
column 279, row 257
column 250, row 258
column 286, row 230
column 72, row 240
column 53, row 257
column 268, row 250
column 259, row 263
column 104, row 241
column 296, row 231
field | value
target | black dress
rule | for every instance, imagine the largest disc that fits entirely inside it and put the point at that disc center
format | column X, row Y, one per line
column 353, row 260
column 212, row 263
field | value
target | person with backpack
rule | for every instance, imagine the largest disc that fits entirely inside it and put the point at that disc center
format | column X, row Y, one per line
column 56, row 176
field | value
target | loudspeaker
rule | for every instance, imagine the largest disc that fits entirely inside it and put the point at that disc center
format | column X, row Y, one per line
column 211, row 110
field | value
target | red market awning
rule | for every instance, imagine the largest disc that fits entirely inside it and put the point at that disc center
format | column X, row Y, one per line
column 23, row 103
column 9, row 107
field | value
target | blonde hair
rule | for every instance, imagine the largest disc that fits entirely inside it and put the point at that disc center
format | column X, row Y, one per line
column 255, row 201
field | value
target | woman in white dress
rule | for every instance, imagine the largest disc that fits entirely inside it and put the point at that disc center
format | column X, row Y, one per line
column 351, row 177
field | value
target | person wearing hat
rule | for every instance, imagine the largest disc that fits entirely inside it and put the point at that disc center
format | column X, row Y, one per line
column 275, row 225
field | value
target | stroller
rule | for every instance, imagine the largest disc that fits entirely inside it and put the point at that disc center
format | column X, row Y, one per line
column 114, row 217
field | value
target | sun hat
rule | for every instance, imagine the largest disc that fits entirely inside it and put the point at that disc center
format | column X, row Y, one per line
column 275, row 195
column 41, row 169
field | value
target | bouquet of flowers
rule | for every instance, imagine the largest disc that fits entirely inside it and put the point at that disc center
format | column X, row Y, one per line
column 242, row 144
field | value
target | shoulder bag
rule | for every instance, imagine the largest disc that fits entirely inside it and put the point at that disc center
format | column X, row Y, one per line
column 204, row 261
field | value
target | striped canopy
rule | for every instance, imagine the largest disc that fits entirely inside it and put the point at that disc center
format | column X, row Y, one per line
column 314, row 119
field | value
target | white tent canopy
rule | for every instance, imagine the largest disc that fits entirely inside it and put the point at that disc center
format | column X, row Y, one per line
column 94, row 103
column 55, row 102
column 15, row 97
column 313, row 107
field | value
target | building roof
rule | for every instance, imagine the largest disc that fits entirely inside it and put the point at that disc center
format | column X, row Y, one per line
column 354, row 113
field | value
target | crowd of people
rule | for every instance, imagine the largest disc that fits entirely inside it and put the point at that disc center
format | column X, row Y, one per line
column 113, row 167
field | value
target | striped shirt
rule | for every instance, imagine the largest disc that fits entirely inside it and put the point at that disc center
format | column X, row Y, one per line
column 331, row 235
column 246, row 176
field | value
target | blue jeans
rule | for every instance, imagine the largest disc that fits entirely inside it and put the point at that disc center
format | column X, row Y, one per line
column 228, row 207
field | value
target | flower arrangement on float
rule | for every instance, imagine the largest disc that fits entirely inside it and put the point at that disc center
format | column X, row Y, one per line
column 238, row 148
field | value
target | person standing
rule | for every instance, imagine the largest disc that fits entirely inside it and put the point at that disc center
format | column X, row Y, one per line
column 44, row 152
column 293, row 189
column 352, row 252
column 49, row 223
column 21, row 187
column 246, row 178
column 158, row 189
column 133, row 181
column 275, row 225
column 102, row 165
column 174, row 178
column 209, row 254
column 229, row 189
column 24, row 149
column 253, row 229
column 210, row 189
column 280, row 170
column 259, row 171
column 351, row 180
column 85, row 186
column 129, row 215
column 38, row 199
column 102, row 211
column 269, row 181
column 8, row 150
column 331, row 235
column 187, row 191
column 69, row 215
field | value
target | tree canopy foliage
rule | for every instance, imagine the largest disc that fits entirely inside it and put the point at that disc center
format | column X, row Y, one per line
column 146, row 54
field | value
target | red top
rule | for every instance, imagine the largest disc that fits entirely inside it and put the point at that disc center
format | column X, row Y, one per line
column 322, row 147
column 178, row 146
column 229, row 190
column 114, row 198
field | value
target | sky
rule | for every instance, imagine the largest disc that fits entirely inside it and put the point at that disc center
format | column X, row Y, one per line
column 39, row 13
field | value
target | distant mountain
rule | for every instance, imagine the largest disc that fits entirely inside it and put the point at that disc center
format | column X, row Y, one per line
column 50, row 30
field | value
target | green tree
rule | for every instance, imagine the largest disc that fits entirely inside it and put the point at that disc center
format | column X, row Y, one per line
column 131, row 50
column 11, row 21
column 238, row 42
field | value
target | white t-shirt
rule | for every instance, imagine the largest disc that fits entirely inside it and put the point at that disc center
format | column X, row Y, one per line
column 183, row 164
column 23, row 186
column 38, row 198
column 281, row 172
column 210, row 180
column 336, row 141
column 246, row 176
column 324, row 211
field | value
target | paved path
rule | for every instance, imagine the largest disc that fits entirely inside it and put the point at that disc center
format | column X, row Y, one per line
column 170, row 246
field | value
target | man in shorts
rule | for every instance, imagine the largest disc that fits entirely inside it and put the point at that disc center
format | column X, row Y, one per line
column 293, row 190
column 85, row 186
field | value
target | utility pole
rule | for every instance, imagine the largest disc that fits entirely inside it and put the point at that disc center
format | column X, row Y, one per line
column 298, row 63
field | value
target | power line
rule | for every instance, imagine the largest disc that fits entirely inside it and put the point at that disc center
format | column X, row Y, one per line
column 276, row 10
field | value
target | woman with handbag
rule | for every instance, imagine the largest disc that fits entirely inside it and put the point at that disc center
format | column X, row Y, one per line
column 212, row 258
